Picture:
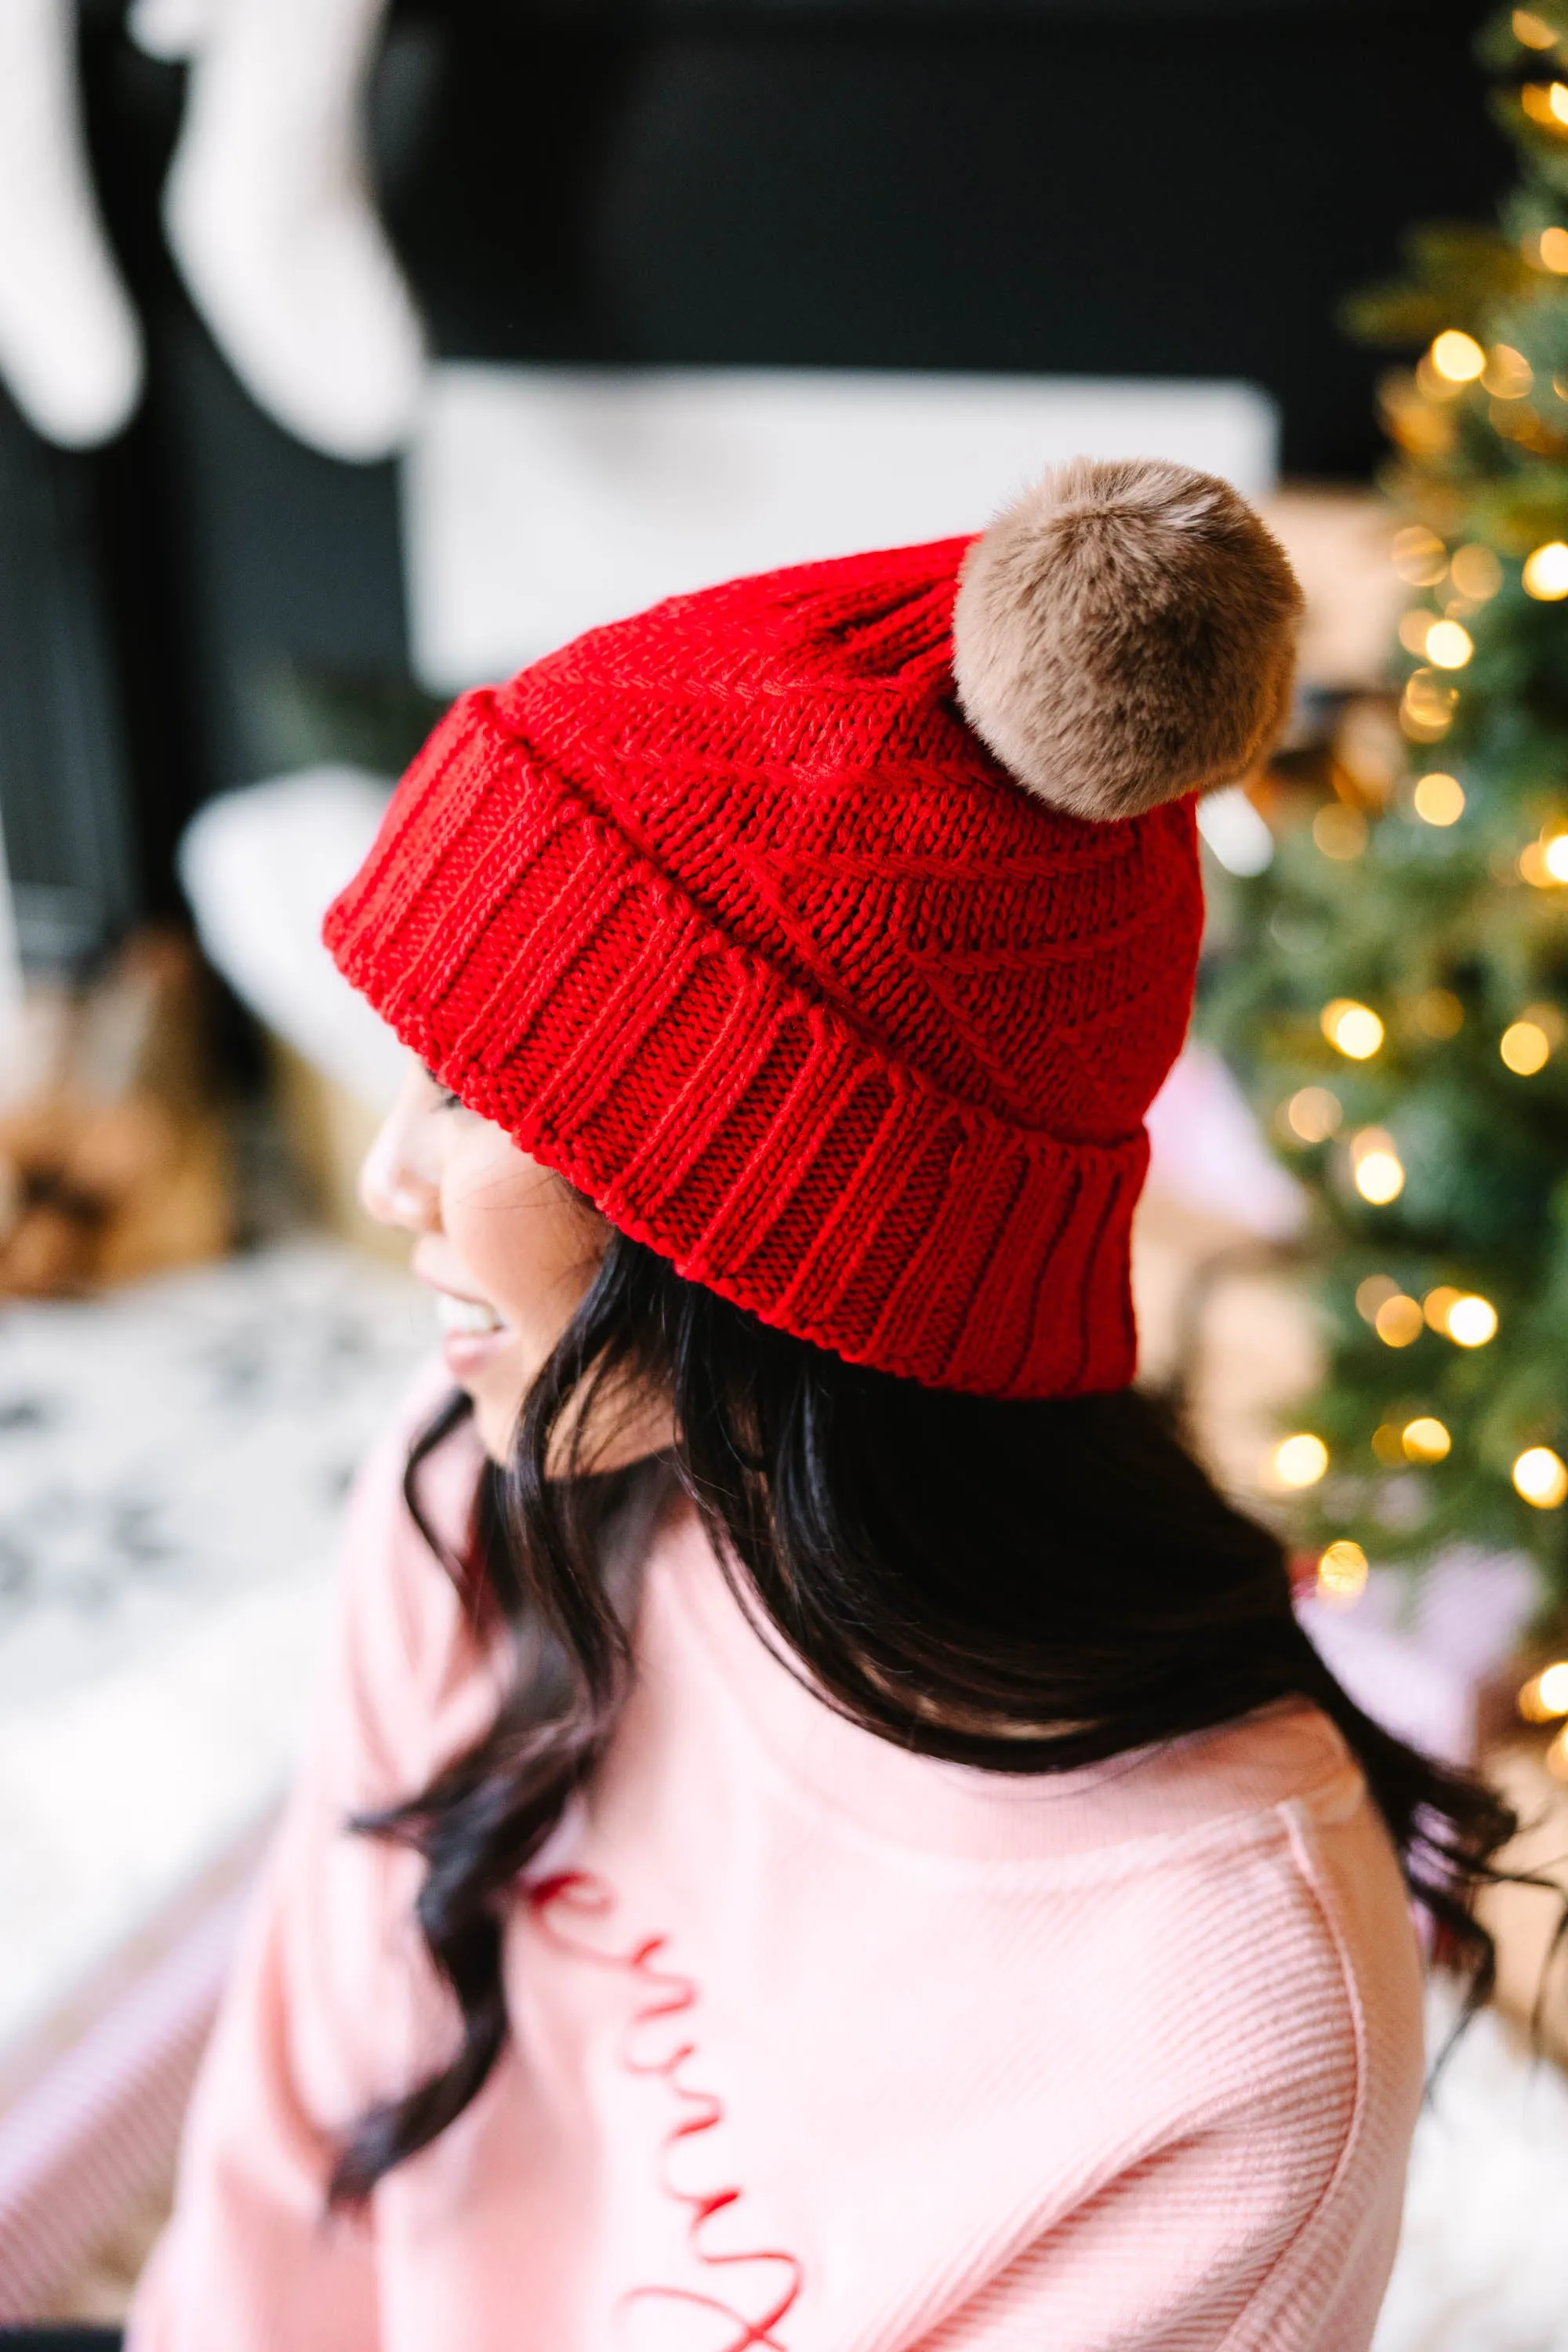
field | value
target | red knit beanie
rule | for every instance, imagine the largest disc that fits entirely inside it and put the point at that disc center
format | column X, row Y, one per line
column 728, row 913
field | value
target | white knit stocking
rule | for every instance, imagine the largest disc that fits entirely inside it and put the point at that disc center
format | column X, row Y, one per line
column 71, row 347
column 269, row 216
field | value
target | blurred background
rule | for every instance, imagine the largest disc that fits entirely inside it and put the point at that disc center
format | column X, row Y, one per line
column 352, row 353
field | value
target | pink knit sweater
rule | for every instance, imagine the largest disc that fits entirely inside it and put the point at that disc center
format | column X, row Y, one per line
column 817, row 2045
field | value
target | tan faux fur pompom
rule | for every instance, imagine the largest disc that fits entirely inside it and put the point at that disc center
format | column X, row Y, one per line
column 1125, row 633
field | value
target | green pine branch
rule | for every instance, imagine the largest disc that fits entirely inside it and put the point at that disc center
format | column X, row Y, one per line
column 1437, row 1164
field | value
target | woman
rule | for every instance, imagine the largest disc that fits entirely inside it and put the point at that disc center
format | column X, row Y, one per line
column 825, row 1832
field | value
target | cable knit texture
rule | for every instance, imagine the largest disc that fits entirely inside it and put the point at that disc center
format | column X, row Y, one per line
column 817, row 2045
column 725, row 912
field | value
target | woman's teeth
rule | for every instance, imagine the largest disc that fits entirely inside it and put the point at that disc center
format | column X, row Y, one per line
column 467, row 1315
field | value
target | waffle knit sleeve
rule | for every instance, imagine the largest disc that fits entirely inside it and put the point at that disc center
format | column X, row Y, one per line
column 329, row 2002
column 1196, row 2246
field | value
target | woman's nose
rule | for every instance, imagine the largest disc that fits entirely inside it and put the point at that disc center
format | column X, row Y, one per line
column 398, row 1184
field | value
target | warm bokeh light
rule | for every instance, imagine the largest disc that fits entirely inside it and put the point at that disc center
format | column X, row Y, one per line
column 1388, row 1444
column 1545, row 573
column 1339, row 832
column 1439, row 1304
column 1426, row 1439
column 1530, row 33
column 1474, row 569
column 1470, row 1321
column 1546, row 102
column 1413, row 628
column 1551, row 251
column 1533, row 867
column 1557, row 1757
column 1508, row 374
column 1373, row 1293
column 1440, row 1013
column 1539, row 1476
column 1342, row 1574
column 1456, row 356
column 1439, row 799
column 1313, row 1113
column 1554, row 857
column 1355, row 1030
column 1448, row 644
column 1379, row 1177
column 1397, row 1321
column 1545, row 1696
column 1301, row 1460
column 1418, row 555
column 1428, row 705
column 1525, row 1048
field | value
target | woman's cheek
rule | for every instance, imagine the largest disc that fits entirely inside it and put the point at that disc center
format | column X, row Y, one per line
column 521, row 1238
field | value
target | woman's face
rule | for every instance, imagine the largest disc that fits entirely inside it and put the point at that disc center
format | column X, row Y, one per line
column 508, row 1249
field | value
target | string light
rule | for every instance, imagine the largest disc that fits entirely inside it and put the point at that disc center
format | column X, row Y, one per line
column 1517, row 423
column 1428, row 705
column 1397, row 1321
column 1438, row 798
column 1313, row 1113
column 1408, row 406
column 1342, row 1574
column 1544, row 863
column 1375, row 1166
column 1539, row 1476
column 1426, row 1439
column 1456, row 356
column 1440, row 1013
column 1545, row 1696
column 1470, row 1321
column 1546, row 103
column 1448, row 644
column 1525, row 1048
column 1545, row 573
column 1530, row 33
column 1551, row 252
column 1418, row 555
column 1339, row 832
column 1373, row 1293
column 1438, row 1304
column 1352, row 1029
column 1388, row 1444
column 1300, row 1460
column 1474, row 569
column 1508, row 374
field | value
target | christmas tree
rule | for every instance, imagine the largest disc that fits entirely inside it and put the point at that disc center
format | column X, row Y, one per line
column 1397, row 1002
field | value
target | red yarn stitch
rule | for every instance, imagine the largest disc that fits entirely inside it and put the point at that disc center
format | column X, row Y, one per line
column 674, row 1995
column 725, row 913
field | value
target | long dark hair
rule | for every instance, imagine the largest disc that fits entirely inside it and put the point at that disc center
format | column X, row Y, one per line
column 1027, row 1587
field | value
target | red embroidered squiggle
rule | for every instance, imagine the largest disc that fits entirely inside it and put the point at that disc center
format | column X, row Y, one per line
column 668, row 1995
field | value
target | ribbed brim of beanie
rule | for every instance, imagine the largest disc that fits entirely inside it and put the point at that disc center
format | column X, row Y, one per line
column 725, row 914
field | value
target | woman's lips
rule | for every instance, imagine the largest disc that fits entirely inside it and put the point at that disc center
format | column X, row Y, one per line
column 473, row 1333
